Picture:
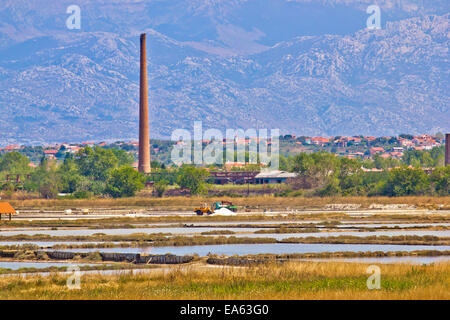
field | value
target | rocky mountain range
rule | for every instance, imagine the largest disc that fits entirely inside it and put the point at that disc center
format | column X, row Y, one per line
column 305, row 67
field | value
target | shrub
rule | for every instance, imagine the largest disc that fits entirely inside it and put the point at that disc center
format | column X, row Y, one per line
column 331, row 189
column 440, row 179
column 193, row 178
column 25, row 255
column 407, row 181
column 42, row 256
column 82, row 194
column 94, row 256
column 160, row 187
column 124, row 182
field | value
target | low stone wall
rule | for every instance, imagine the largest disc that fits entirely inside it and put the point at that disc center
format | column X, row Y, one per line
column 7, row 253
column 120, row 257
column 111, row 256
column 165, row 259
column 145, row 259
column 64, row 255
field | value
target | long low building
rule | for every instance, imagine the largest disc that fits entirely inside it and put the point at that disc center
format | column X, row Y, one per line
column 253, row 177
column 236, row 177
column 274, row 176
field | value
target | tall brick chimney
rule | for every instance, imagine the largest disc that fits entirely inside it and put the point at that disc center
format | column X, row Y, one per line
column 144, row 135
column 447, row 149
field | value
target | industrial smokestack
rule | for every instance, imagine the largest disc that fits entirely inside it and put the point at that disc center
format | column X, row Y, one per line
column 144, row 135
column 447, row 149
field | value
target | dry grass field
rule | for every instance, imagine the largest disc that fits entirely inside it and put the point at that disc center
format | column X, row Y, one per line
column 257, row 202
column 289, row 280
column 295, row 280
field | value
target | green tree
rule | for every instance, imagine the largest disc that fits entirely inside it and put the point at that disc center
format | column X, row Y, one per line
column 286, row 163
column 385, row 163
column 424, row 158
column 332, row 188
column 440, row 180
column 124, row 182
column 70, row 175
column 96, row 162
column 155, row 164
column 349, row 176
column 407, row 181
column 192, row 178
column 14, row 163
column 438, row 155
column 316, row 169
column 123, row 157
column 46, row 180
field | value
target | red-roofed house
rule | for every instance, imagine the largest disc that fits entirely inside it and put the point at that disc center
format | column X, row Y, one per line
column 429, row 145
column 376, row 150
column 355, row 140
column 12, row 147
column 406, row 143
column 50, row 154
column 320, row 141
column 425, row 137
column 73, row 149
column 396, row 154
column 342, row 142
column 51, row 151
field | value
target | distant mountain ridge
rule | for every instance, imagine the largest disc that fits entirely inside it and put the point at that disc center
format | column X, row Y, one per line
column 57, row 85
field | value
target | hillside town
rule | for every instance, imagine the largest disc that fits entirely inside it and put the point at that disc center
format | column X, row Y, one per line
column 355, row 147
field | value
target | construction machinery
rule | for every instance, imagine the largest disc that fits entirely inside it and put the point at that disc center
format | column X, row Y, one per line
column 225, row 204
column 204, row 209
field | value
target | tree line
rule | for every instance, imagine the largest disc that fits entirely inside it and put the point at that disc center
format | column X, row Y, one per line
column 94, row 172
column 108, row 172
column 91, row 171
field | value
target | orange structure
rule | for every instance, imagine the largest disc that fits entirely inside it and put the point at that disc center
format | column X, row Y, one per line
column 144, row 135
column 6, row 208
